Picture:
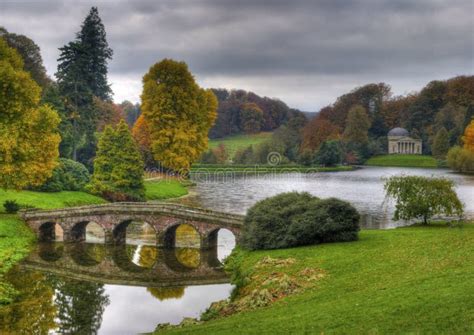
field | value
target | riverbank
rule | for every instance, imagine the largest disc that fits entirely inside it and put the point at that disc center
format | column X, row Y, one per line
column 154, row 190
column 15, row 242
column 263, row 169
column 420, row 161
column 405, row 280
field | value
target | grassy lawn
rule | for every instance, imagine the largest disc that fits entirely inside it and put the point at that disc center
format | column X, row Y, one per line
column 52, row 200
column 15, row 240
column 164, row 189
column 403, row 161
column 155, row 190
column 236, row 142
column 416, row 280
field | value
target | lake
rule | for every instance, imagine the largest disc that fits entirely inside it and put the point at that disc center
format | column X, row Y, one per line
column 363, row 188
column 93, row 288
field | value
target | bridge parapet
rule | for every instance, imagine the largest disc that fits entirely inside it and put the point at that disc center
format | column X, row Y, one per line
column 115, row 217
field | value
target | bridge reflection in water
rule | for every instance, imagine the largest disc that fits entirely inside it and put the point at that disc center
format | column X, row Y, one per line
column 135, row 265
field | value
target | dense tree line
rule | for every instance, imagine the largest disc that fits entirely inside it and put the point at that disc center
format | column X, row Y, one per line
column 438, row 114
column 240, row 111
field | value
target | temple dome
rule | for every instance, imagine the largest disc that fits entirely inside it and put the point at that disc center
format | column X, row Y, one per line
column 398, row 132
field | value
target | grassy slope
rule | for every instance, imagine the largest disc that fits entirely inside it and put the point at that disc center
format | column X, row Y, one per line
column 406, row 280
column 155, row 190
column 15, row 239
column 49, row 200
column 164, row 189
column 403, row 161
column 233, row 143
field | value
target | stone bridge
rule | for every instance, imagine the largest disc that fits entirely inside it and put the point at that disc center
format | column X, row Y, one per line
column 115, row 217
column 112, row 264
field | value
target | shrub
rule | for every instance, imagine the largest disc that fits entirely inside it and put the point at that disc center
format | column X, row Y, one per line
column 294, row 219
column 67, row 176
column 461, row 159
column 11, row 206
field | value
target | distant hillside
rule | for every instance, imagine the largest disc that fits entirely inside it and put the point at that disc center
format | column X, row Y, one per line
column 310, row 115
column 241, row 141
column 239, row 109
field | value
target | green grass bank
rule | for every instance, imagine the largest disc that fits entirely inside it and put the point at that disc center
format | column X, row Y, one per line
column 154, row 190
column 415, row 280
column 403, row 161
column 15, row 241
column 163, row 189
column 241, row 141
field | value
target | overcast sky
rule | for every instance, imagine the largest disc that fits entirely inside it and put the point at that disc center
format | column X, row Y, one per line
column 306, row 52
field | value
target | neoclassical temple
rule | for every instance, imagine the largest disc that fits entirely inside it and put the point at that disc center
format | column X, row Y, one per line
column 400, row 142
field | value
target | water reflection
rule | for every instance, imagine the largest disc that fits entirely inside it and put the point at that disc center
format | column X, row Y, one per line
column 363, row 188
column 88, row 288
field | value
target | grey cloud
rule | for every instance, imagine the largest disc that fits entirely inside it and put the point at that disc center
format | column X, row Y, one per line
column 256, row 41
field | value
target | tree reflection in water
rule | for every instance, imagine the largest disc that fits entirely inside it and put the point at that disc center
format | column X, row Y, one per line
column 80, row 306
column 34, row 311
column 165, row 293
column 189, row 257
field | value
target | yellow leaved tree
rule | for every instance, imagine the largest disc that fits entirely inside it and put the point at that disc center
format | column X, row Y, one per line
column 28, row 131
column 468, row 137
column 178, row 114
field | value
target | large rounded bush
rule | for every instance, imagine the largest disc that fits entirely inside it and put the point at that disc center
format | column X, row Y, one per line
column 67, row 176
column 294, row 219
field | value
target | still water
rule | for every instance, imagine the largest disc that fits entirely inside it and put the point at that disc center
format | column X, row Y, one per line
column 227, row 192
column 90, row 288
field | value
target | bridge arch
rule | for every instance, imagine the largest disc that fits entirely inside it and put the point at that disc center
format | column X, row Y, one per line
column 50, row 252
column 183, row 232
column 221, row 241
column 119, row 232
column 78, row 230
column 87, row 254
column 47, row 231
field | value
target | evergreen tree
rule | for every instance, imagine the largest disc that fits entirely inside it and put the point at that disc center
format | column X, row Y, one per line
column 441, row 144
column 330, row 154
column 118, row 166
column 28, row 131
column 81, row 75
column 178, row 114
column 92, row 38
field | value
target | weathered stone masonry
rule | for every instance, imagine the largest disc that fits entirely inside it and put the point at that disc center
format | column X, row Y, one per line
column 114, row 219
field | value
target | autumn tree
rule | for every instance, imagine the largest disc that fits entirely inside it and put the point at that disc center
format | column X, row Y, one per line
column 118, row 166
column 468, row 137
column 357, row 126
column 317, row 131
column 31, row 55
column 441, row 144
column 28, row 131
column 251, row 118
column 178, row 113
column 108, row 113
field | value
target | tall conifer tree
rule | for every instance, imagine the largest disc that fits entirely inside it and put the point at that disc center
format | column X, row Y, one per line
column 82, row 74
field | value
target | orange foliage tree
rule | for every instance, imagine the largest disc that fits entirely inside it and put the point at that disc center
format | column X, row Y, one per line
column 317, row 131
column 468, row 137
